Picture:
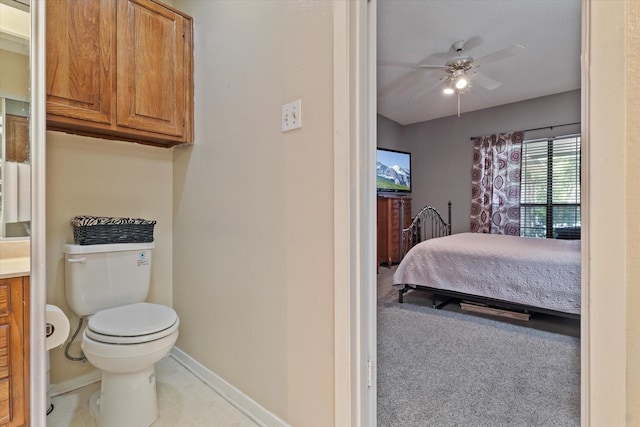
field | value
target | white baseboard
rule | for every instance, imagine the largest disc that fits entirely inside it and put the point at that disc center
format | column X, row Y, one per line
column 75, row 383
column 237, row 398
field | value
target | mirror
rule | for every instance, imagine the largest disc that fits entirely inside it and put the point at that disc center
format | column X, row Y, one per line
column 15, row 161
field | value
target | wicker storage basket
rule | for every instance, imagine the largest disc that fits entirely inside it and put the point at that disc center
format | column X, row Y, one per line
column 92, row 230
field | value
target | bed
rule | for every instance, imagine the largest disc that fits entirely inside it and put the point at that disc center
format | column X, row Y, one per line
column 517, row 273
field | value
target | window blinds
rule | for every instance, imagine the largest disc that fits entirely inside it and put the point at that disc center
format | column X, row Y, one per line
column 550, row 188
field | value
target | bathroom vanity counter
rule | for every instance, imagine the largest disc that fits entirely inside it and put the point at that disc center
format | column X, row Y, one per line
column 15, row 267
column 15, row 258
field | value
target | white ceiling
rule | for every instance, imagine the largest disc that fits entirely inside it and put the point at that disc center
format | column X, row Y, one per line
column 412, row 32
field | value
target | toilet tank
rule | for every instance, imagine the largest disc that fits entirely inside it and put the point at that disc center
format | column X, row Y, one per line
column 105, row 276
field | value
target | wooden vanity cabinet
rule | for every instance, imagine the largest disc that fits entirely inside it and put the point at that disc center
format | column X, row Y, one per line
column 14, row 352
column 120, row 69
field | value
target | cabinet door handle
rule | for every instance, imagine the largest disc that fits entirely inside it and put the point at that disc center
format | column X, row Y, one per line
column 81, row 260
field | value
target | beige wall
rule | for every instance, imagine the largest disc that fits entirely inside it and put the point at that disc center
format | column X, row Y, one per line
column 253, row 207
column 92, row 176
column 14, row 75
column 633, row 207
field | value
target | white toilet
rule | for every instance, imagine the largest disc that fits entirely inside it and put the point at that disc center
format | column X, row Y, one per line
column 125, row 336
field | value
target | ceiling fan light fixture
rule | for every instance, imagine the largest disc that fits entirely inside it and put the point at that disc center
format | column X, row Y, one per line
column 459, row 71
column 461, row 82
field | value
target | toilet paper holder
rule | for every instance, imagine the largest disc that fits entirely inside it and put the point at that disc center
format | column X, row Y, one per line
column 56, row 332
column 56, row 327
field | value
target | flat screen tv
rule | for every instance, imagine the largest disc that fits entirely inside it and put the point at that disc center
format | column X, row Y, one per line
column 393, row 171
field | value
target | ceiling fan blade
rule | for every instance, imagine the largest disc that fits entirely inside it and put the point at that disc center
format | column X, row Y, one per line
column 499, row 55
column 432, row 67
column 426, row 90
column 401, row 84
column 384, row 63
column 484, row 81
column 471, row 43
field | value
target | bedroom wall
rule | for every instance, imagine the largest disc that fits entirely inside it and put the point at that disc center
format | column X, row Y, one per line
column 389, row 133
column 442, row 150
column 253, row 207
column 92, row 176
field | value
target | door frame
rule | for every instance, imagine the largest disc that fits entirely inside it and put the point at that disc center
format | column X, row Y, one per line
column 354, row 216
column 38, row 358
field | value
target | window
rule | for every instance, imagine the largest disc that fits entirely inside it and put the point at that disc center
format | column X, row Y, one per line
column 550, row 188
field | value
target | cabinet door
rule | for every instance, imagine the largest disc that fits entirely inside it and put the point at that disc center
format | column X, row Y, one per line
column 154, row 67
column 14, row 354
column 17, row 139
column 80, row 60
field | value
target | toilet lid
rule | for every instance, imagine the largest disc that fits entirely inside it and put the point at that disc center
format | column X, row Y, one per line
column 133, row 323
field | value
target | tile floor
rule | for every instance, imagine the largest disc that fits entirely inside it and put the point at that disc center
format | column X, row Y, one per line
column 184, row 400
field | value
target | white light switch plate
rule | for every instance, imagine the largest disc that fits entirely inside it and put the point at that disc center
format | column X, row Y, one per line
column 292, row 116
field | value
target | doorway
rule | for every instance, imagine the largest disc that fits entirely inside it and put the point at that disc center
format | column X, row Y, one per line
column 441, row 150
column 603, row 331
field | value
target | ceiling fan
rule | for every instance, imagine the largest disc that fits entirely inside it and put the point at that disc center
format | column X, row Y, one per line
column 462, row 70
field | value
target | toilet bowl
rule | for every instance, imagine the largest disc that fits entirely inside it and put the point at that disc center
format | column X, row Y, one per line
column 125, row 335
column 125, row 343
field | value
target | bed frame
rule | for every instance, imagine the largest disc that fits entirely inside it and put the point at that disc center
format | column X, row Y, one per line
column 428, row 224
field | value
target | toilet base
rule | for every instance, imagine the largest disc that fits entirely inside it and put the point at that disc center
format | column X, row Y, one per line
column 126, row 400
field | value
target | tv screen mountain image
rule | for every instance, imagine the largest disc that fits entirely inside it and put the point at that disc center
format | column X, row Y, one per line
column 393, row 171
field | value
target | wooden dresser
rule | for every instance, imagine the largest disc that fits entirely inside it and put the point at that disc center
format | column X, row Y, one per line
column 394, row 213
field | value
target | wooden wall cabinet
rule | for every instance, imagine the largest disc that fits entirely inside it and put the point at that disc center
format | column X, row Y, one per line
column 17, row 139
column 389, row 227
column 120, row 69
column 14, row 352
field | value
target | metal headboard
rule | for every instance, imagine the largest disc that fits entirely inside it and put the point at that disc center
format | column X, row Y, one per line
column 427, row 224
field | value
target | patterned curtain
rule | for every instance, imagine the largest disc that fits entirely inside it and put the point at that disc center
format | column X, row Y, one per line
column 495, row 184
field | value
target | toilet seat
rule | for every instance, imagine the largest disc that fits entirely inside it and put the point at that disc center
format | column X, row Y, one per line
column 132, row 324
